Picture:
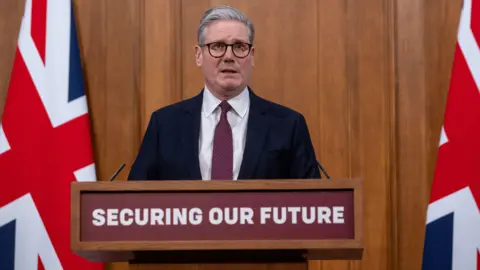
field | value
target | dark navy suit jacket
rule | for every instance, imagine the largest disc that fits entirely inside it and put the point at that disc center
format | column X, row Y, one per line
column 278, row 144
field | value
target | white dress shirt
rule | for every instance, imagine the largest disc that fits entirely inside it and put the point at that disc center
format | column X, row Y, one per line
column 237, row 117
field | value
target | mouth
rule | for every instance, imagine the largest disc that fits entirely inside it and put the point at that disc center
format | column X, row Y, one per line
column 228, row 71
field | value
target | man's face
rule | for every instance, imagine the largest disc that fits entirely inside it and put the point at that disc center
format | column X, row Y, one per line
column 229, row 73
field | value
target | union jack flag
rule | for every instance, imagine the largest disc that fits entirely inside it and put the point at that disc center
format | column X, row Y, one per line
column 452, row 238
column 44, row 142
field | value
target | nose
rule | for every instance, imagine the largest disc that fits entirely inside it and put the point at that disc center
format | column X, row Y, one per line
column 228, row 54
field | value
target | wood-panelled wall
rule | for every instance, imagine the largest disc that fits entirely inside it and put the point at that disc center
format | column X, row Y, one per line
column 370, row 76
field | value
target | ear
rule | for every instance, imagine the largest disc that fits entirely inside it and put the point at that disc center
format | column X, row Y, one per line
column 198, row 55
column 252, row 55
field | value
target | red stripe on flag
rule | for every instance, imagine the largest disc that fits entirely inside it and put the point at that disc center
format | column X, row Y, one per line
column 475, row 23
column 458, row 161
column 39, row 25
column 40, row 264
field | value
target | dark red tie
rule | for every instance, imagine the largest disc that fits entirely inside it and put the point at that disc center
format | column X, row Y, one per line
column 222, row 156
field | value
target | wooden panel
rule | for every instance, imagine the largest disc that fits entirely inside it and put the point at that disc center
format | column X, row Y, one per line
column 411, row 118
column 426, row 36
column 122, row 113
column 285, row 66
column 331, row 133
column 371, row 74
column 192, row 12
column 11, row 12
column 193, row 185
column 92, row 37
column 439, row 47
column 161, row 48
column 122, row 84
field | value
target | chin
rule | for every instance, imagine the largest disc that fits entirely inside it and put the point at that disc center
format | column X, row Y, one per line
column 230, row 86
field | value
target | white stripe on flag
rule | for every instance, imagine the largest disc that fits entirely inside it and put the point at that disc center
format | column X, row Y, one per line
column 468, row 43
column 86, row 174
column 4, row 145
column 443, row 137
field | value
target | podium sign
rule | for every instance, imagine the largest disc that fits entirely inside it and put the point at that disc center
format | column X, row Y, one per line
column 320, row 217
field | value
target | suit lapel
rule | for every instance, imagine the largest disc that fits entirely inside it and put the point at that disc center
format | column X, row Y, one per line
column 256, row 132
column 190, row 135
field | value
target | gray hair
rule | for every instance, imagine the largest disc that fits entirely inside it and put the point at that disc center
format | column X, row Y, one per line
column 223, row 13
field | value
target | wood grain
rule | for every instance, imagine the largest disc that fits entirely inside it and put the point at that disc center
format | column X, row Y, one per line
column 195, row 185
column 75, row 217
column 371, row 108
column 348, row 248
column 122, row 83
column 192, row 78
column 424, row 56
column 411, row 119
column 162, row 57
column 332, row 132
column 91, row 29
column 94, row 46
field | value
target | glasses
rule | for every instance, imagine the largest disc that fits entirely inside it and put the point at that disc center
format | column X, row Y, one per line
column 218, row 49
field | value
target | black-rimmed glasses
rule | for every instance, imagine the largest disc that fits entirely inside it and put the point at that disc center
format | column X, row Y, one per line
column 218, row 49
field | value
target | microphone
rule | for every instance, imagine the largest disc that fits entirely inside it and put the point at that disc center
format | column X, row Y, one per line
column 323, row 170
column 117, row 172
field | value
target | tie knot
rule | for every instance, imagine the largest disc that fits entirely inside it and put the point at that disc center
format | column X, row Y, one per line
column 225, row 106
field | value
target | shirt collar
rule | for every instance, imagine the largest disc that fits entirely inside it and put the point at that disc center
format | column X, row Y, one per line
column 239, row 103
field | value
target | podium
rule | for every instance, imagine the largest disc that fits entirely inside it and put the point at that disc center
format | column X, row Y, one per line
column 245, row 223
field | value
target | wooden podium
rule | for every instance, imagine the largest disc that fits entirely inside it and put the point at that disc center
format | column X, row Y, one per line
column 217, row 224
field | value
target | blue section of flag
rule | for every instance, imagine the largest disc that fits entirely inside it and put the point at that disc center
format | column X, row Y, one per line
column 7, row 246
column 76, row 86
column 438, row 244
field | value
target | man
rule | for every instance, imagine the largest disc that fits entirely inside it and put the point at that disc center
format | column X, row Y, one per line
column 226, row 132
